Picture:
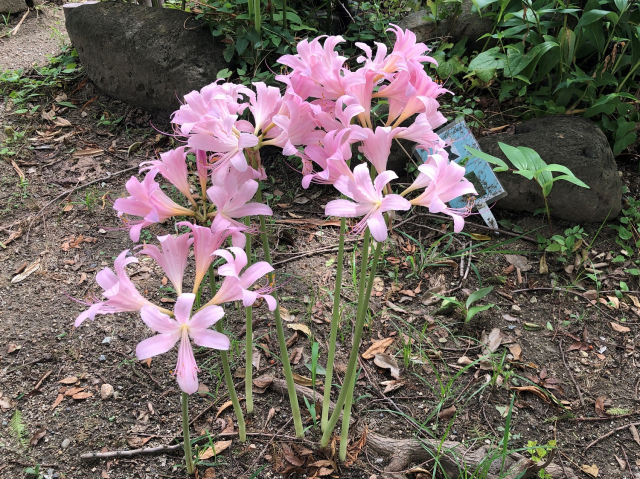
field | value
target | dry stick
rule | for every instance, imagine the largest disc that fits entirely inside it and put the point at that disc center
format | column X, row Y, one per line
column 571, row 375
column 133, row 452
column 15, row 30
column 255, row 461
column 611, row 432
column 608, row 418
column 626, row 459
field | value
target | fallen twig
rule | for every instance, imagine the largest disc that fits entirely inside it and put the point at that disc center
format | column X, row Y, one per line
column 571, row 374
column 94, row 456
column 611, row 432
column 17, row 27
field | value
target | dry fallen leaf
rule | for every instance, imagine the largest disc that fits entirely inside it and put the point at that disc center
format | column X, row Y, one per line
column 621, row 463
column 532, row 389
column 57, row 401
column 69, row 380
column 88, row 152
column 82, row 395
column 286, row 315
column 590, row 470
column 263, row 382
column 599, row 406
column 385, row 361
column 300, row 327
column 544, row 269
column 377, row 347
column 32, row 268
column 516, row 351
column 217, row 448
column 11, row 347
column 378, row 284
column 634, row 433
column 39, row 434
column 223, row 407
column 518, row 261
column 135, row 441
column 391, row 385
column 619, row 328
column 493, row 340
column 447, row 413
column 304, row 381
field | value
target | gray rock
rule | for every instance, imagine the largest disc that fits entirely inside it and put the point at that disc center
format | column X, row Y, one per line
column 65, row 444
column 144, row 56
column 573, row 142
column 14, row 6
column 466, row 23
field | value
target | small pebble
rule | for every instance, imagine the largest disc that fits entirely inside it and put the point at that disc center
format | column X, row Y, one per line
column 516, row 309
column 533, row 300
column 65, row 444
column 584, row 354
column 106, row 391
column 102, row 231
column 102, row 357
column 106, row 340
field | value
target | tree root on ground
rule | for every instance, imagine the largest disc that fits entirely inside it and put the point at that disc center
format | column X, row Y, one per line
column 454, row 458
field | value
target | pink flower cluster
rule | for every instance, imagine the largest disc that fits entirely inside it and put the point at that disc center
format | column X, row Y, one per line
column 121, row 295
column 325, row 110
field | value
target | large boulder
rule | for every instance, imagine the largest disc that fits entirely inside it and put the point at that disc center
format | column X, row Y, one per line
column 17, row 6
column 573, row 142
column 465, row 23
column 148, row 57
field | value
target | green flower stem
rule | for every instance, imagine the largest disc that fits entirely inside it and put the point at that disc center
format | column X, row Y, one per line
column 248, row 385
column 284, row 355
column 188, row 455
column 357, row 335
column 335, row 319
column 227, row 372
column 362, row 311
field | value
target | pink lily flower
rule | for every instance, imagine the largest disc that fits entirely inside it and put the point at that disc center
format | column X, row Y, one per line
column 445, row 181
column 172, row 165
column 298, row 126
column 205, row 242
column 407, row 54
column 234, row 268
column 331, row 156
column 149, row 201
column 368, row 200
column 182, row 328
column 119, row 290
column 264, row 104
column 377, row 146
column 227, row 136
column 172, row 258
column 231, row 201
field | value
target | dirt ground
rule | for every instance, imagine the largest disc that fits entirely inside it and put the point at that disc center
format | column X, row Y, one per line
column 58, row 234
column 40, row 36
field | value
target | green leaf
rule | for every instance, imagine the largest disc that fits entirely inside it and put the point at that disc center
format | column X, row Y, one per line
column 67, row 103
column 241, row 45
column 475, row 310
column 501, row 165
column 621, row 5
column 590, row 17
column 475, row 296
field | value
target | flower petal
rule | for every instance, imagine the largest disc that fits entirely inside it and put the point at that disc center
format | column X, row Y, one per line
column 182, row 309
column 210, row 339
column 206, row 318
column 158, row 344
column 158, row 321
column 377, row 226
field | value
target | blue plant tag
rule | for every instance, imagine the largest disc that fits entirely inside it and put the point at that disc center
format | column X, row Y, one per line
column 477, row 171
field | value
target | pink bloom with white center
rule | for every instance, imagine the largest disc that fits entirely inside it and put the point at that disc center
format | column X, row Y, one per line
column 231, row 201
column 183, row 328
column 172, row 165
column 172, row 258
column 264, row 104
column 445, row 181
column 148, row 201
column 331, row 156
column 205, row 242
column 377, row 147
column 368, row 200
column 226, row 136
column 297, row 125
column 233, row 269
column 407, row 54
column 119, row 290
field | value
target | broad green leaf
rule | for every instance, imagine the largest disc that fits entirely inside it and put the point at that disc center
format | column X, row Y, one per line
column 475, row 310
column 476, row 295
column 501, row 165
column 590, row 17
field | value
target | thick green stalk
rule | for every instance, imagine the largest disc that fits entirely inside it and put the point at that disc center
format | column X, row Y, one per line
column 188, row 455
column 242, row 433
column 284, row 14
column 284, row 355
column 335, row 319
column 357, row 335
column 363, row 306
column 248, row 377
column 257, row 15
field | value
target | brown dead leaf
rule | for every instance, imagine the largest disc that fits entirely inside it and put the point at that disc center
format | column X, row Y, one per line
column 71, row 391
column 57, row 401
column 621, row 462
column 88, row 152
column 518, row 261
column 226, row 405
column 32, row 268
column 286, row 315
column 39, row 434
column 62, row 122
column 82, row 395
column 11, row 347
column 634, row 433
column 544, row 269
column 304, row 381
column 614, row 302
column 590, row 470
column 619, row 328
column 516, row 351
column 136, row 441
column 272, row 412
column 533, row 390
column 296, row 355
column 385, row 361
column 263, row 382
column 69, row 380
column 300, row 327
column 493, row 340
column 217, row 448
column 447, row 413
column 377, row 347
column 391, row 385
column 599, row 406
